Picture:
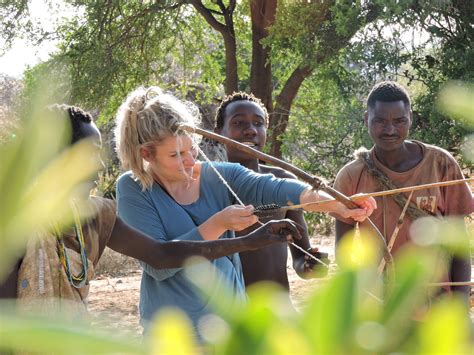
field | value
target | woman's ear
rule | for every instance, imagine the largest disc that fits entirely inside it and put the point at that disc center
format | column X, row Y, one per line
column 146, row 154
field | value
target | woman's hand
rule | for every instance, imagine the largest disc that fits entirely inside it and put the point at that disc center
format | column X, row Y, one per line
column 325, row 203
column 236, row 217
column 367, row 205
column 284, row 230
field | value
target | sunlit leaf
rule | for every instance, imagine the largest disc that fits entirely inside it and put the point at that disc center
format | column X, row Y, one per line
column 457, row 100
column 286, row 339
column 41, row 335
column 45, row 199
column 203, row 274
column 358, row 250
column 371, row 336
column 269, row 307
column 171, row 333
column 446, row 329
column 328, row 320
column 408, row 294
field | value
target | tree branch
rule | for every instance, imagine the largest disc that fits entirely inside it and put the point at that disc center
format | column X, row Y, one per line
column 207, row 14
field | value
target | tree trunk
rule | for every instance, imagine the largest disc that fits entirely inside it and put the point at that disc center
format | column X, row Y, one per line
column 263, row 16
column 227, row 31
column 333, row 43
column 279, row 118
column 231, row 76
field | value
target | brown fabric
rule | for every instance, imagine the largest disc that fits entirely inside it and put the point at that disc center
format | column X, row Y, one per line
column 42, row 281
column 386, row 184
column 436, row 165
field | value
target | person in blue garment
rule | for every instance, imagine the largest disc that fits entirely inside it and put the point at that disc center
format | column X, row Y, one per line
column 51, row 283
column 169, row 195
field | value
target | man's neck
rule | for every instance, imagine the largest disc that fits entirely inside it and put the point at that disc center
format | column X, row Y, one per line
column 251, row 164
column 400, row 160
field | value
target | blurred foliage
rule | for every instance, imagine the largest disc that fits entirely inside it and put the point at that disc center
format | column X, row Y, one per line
column 457, row 99
column 47, row 335
column 345, row 314
column 35, row 162
column 177, row 49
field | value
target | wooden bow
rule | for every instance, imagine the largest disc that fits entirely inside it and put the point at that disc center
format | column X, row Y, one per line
column 315, row 182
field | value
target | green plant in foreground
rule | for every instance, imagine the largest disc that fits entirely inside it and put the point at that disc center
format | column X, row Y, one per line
column 352, row 312
column 346, row 314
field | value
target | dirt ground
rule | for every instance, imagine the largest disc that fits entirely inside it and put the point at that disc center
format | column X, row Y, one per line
column 113, row 301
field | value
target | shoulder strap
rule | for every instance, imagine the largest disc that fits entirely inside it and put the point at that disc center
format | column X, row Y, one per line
column 413, row 210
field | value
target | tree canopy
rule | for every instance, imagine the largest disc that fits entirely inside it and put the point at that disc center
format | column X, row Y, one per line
column 311, row 62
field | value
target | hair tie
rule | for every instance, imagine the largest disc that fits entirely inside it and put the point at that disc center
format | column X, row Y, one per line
column 152, row 92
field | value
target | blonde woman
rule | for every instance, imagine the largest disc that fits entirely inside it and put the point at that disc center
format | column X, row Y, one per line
column 71, row 256
column 169, row 195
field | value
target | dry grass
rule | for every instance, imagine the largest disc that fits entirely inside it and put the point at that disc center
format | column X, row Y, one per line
column 113, row 264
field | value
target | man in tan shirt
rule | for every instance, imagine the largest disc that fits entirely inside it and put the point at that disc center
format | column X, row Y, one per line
column 395, row 161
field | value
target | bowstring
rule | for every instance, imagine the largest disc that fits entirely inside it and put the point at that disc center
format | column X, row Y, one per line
column 221, row 178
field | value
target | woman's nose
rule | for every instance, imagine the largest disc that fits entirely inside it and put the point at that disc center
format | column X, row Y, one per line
column 189, row 159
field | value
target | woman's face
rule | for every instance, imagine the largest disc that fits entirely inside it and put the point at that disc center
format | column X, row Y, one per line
column 173, row 159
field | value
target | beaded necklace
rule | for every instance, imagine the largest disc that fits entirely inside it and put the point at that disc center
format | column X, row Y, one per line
column 79, row 280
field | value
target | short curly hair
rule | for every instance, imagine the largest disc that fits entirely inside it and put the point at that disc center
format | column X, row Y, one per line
column 237, row 96
column 388, row 91
column 76, row 116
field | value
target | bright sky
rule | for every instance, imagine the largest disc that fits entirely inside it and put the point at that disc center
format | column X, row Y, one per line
column 24, row 54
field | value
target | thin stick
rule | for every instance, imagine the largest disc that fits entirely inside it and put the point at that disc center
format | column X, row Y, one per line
column 410, row 188
column 381, row 193
column 399, row 223
column 457, row 283
column 314, row 181
column 395, row 231
column 309, row 254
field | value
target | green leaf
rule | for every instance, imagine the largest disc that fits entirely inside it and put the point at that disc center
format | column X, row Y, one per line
column 329, row 318
column 41, row 335
column 446, row 329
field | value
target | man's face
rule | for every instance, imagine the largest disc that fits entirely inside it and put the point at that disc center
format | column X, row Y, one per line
column 389, row 124
column 244, row 122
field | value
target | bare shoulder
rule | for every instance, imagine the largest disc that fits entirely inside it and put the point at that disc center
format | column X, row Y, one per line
column 278, row 172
